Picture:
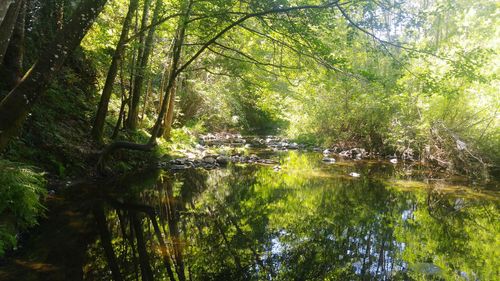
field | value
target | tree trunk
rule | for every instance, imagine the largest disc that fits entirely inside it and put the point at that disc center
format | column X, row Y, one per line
column 149, row 90
column 102, row 110
column 13, row 60
column 176, row 54
column 4, row 7
column 163, row 248
column 169, row 117
column 124, row 101
column 106, row 242
column 143, row 63
column 15, row 107
column 59, row 14
column 136, row 65
column 7, row 25
column 173, row 222
column 147, row 274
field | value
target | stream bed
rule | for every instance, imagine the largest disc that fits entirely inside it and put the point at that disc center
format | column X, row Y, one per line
column 302, row 219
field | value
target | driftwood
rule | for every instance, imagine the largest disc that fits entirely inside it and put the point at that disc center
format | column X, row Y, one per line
column 148, row 147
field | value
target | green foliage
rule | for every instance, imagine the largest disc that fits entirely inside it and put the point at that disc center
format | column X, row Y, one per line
column 22, row 188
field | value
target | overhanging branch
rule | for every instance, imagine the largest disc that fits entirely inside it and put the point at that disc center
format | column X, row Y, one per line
column 244, row 18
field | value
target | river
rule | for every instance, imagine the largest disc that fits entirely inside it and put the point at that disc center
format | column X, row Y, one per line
column 303, row 220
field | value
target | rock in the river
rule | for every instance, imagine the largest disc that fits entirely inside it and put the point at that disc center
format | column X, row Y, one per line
column 327, row 152
column 254, row 157
column 222, row 160
column 177, row 167
column 267, row 161
column 210, row 160
column 354, row 175
column 354, row 153
column 328, row 160
column 179, row 161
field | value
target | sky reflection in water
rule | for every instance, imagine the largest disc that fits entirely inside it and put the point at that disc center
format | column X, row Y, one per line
column 308, row 221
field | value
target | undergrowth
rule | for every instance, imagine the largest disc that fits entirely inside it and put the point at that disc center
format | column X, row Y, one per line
column 22, row 188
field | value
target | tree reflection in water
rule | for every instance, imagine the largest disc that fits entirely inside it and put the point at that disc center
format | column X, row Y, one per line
column 307, row 222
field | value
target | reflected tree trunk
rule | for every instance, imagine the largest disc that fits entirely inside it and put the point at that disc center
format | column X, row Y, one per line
column 106, row 241
column 146, row 272
column 163, row 248
column 173, row 221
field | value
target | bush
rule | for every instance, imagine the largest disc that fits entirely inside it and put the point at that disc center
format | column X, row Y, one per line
column 21, row 188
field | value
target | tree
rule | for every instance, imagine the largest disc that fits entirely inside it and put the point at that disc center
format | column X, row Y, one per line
column 14, row 108
column 12, row 66
column 7, row 24
column 142, row 63
column 102, row 109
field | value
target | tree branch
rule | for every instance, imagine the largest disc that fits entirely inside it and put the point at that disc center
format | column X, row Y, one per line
column 382, row 41
column 244, row 18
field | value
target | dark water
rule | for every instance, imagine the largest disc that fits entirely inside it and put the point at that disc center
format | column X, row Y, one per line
column 307, row 221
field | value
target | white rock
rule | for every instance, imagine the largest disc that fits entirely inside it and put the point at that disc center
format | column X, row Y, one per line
column 354, row 175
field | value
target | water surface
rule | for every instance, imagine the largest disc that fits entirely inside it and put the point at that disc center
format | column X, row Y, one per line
column 306, row 221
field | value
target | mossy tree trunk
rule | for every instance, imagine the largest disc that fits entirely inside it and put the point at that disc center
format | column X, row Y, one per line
column 14, row 108
column 12, row 66
column 8, row 23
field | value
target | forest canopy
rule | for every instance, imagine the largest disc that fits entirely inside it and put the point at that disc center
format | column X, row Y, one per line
column 411, row 78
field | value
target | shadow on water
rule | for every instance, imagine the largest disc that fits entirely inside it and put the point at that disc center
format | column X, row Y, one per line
column 307, row 221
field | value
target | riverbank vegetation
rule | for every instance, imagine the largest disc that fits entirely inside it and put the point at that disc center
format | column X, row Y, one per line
column 117, row 84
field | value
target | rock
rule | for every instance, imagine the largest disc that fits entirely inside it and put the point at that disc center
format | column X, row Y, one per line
column 254, row 157
column 354, row 153
column 328, row 160
column 277, row 168
column 190, row 155
column 222, row 160
column 209, row 166
column 327, row 152
column 267, row 161
column 176, row 167
column 354, row 175
column 210, row 160
column 179, row 161
column 345, row 154
column 394, row 160
column 293, row 145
